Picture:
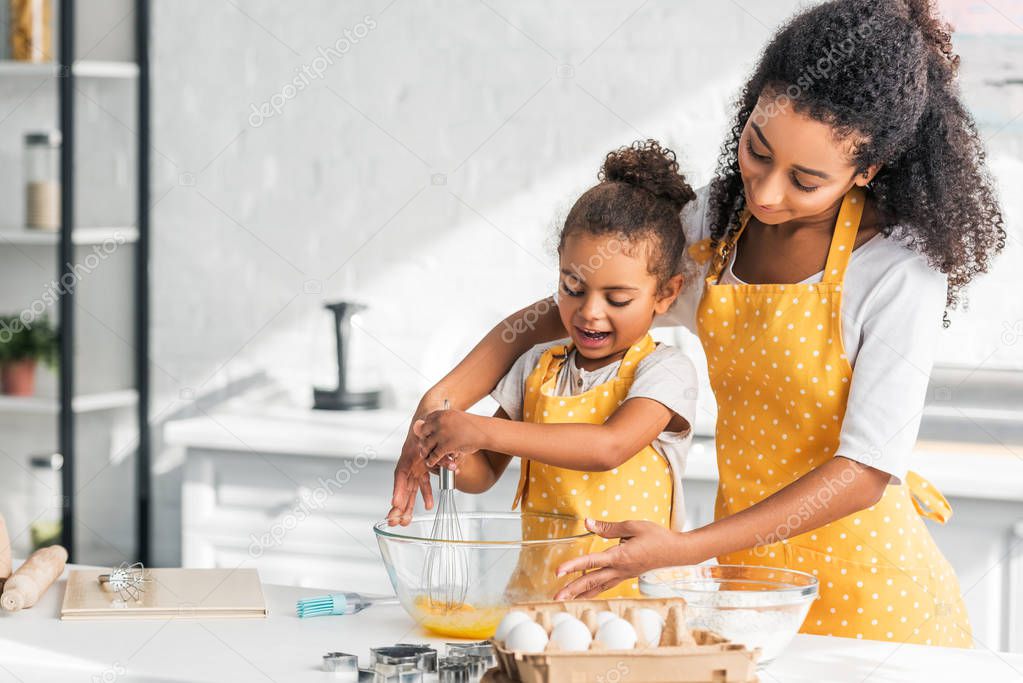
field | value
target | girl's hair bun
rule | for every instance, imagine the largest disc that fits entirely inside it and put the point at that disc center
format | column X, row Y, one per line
column 648, row 166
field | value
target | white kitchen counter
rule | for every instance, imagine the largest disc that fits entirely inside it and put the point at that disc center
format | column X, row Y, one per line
column 35, row 646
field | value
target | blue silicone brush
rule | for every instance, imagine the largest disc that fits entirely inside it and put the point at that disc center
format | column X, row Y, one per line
column 339, row 603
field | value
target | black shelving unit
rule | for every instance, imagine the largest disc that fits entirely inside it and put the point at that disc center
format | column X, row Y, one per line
column 143, row 481
column 66, row 78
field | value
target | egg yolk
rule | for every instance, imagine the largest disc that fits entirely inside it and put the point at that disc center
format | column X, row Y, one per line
column 463, row 621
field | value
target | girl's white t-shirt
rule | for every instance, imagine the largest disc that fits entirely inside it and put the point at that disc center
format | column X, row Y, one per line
column 892, row 309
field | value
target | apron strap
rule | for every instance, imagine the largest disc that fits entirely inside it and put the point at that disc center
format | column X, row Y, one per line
column 927, row 499
column 520, row 490
column 634, row 355
column 844, row 239
column 842, row 242
column 547, row 367
column 722, row 253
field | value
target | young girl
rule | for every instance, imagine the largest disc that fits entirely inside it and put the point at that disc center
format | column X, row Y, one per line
column 602, row 419
column 850, row 208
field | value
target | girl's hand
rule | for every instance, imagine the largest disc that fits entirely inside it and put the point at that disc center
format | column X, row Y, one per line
column 450, row 433
column 644, row 546
column 411, row 476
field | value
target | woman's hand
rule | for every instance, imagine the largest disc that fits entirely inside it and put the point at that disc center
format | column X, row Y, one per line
column 644, row 546
column 446, row 435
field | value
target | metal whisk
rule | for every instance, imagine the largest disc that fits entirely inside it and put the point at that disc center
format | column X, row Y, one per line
column 447, row 563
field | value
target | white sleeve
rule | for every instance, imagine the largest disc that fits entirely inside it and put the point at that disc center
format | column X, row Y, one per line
column 900, row 328
column 668, row 376
column 510, row 391
column 697, row 228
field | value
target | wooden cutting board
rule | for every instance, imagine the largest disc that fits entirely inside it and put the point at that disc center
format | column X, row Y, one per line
column 169, row 594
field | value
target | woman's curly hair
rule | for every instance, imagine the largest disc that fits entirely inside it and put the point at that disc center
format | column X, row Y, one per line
column 640, row 196
column 882, row 73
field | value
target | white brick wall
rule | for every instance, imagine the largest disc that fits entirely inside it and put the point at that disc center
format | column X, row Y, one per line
column 511, row 105
column 423, row 173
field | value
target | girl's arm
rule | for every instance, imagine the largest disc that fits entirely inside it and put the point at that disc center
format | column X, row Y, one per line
column 468, row 382
column 583, row 447
column 838, row 488
column 479, row 471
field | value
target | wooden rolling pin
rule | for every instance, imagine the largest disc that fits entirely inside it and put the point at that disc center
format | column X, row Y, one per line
column 25, row 587
column 5, row 552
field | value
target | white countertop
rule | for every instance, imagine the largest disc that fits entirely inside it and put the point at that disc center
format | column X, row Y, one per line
column 982, row 471
column 35, row 646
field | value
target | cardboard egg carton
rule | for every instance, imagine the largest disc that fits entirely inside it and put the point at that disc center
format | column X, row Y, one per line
column 681, row 656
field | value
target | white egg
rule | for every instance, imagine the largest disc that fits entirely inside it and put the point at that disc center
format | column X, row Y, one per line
column 559, row 617
column 510, row 621
column 617, row 634
column 605, row 616
column 650, row 626
column 528, row 636
column 571, row 635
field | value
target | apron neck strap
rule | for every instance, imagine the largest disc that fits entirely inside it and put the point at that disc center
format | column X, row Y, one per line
column 626, row 369
column 634, row 355
column 844, row 239
column 723, row 254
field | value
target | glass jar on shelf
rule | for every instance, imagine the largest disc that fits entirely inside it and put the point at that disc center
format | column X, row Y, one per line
column 47, row 501
column 31, row 30
column 42, row 180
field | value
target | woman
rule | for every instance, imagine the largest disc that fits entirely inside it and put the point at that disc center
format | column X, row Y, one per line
column 850, row 207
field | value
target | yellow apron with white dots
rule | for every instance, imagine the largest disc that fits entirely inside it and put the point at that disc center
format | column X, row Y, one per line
column 781, row 378
column 640, row 488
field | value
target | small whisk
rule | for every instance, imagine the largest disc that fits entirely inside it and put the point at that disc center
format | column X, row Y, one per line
column 447, row 563
column 127, row 580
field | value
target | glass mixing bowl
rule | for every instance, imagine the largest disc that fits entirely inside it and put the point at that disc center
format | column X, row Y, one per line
column 756, row 606
column 500, row 567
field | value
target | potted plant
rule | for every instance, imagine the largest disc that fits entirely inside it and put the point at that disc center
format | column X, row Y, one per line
column 22, row 347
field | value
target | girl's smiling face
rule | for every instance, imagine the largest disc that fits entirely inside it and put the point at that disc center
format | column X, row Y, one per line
column 793, row 167
column 608, row 296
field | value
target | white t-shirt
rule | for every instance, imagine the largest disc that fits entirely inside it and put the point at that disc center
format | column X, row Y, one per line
column 666, row 375
column 892, row 307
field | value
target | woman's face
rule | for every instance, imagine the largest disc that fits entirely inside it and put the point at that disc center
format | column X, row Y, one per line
column 793, row 167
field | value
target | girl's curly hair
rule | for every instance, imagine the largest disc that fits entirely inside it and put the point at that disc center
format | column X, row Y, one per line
column 882, row 73
column 640, row 196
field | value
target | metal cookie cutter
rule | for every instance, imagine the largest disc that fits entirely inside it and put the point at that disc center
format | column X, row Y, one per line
column 456, row 670
column 127, row 580
column 426, row 656
column 403, row 663
column 479, row 657
column 344, row 666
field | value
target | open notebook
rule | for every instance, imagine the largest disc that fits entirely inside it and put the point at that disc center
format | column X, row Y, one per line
column 170, row 593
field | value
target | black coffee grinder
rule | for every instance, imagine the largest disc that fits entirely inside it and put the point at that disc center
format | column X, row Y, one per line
column 341, row 398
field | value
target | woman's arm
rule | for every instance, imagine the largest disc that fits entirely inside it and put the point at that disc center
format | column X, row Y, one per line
column 468, row 382
column 583, row 447
column 838, row 488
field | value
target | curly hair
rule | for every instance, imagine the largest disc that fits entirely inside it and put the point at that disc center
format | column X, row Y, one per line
column 882, row 74
column 640, row 196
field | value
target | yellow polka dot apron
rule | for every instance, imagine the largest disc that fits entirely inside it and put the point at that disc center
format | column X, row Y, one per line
column 639, row 488
column 781, row 378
